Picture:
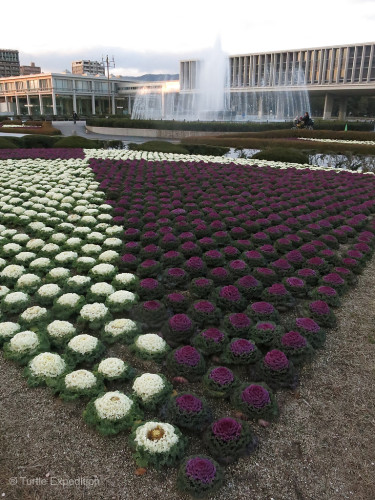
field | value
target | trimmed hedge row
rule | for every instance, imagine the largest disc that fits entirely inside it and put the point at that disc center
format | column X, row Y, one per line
column 168, row 147
column 221, row 126
column 45, row 141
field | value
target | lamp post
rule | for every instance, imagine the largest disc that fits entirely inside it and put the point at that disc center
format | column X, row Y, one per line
column 109, row 64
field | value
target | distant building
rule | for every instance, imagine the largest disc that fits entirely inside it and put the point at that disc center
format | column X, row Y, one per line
column 87, row 67
column 9, row 63
column 30, row 70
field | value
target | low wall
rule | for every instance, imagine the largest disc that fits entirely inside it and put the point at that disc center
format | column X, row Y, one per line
column 148, row 132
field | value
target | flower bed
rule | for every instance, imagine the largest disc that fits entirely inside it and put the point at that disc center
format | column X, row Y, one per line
column 218, row 271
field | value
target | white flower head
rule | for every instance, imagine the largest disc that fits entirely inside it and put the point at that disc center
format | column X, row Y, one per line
column 160, row 441
column 95, row 311
column 60, row 329
column 113, row 405
column 24, row 341
column 33, row 313
column 80, row 379
column 151, row 343
column 8, row 329
column 112, row 367
column 83, row 343
column 120, row 326
column 47, row 364
column 148, row 385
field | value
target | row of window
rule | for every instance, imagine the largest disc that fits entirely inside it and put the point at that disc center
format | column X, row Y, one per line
column 60, row 84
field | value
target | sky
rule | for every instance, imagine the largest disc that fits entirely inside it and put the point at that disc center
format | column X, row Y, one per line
column 148, row 36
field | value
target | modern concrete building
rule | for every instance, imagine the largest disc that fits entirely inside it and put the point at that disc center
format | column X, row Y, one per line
column 59, row 94
column 87, row 67
column 9, row 63
column 336, row 73
column 30, row 70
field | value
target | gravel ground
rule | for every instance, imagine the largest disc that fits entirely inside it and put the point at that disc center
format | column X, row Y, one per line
column 322, row 447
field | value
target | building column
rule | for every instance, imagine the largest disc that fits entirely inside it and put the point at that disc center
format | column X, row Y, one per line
column 41, row 104
column 74, row 101
column 54, row 107
column 328, row 104
column 18, row 112
column 28, row 104
column 260, row 107
column 93, row 104
column 113, row 104
column 342, row 108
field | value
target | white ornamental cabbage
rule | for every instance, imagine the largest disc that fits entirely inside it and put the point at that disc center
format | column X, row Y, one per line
column 47, row 364
column 113, row 405
column 148, row 385
column 83, row 343
column 92, row 312
column 8, row 329
column 168, row 437
column 24, row 341
column 60, row 329
column 151, row 343
column 112, row 367
column 80, row 379
column 120, row 326
column 33, row 313
column 12, row 271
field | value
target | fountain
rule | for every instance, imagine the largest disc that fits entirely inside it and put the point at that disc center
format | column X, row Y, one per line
column 210, row 98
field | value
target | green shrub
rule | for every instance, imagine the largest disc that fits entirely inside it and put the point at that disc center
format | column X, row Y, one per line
column 282, row 154
column 76, row 141
column 38, row 141
column 158, row 146
column 206, row 149
column 6, row 143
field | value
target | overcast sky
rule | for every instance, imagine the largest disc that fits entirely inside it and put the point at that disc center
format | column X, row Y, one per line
column 148, row 36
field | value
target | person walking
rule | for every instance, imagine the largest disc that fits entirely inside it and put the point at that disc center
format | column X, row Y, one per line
column 75, row 117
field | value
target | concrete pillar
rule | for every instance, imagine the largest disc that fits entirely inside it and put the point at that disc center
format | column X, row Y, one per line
column 74, row 101
column 41, row 104
column 260, row 107
column 93, row 104
column 342, row 108
column 18, row 112
column 328, row 104
column 54, row 108
column 29, row 112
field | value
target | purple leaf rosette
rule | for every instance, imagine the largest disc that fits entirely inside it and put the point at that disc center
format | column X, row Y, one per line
column 309, row 329
column 186, row 361
column 228, row 439
column 241, row 351
column 201, row 287
column 296, row 347
column 210, row 340
column 256, row 401
column 262, row 310
column 199, row 476
column 320, row 311
column 204, row 312
column 229, row 298
column 237, row 324
column 188, row 411
column 265, row 333
column 277, row 370
column 219, row 382
column 249, row 286
column 178, row 329
column 150, row 288
column 151, row 312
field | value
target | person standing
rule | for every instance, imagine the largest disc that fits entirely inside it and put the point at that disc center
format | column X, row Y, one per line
column 75, row 117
